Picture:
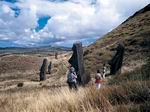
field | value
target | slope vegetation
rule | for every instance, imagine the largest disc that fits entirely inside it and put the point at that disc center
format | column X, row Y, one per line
column 134, row 33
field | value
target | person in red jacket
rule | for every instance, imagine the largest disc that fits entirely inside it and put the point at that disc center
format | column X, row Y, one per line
column 98, row 79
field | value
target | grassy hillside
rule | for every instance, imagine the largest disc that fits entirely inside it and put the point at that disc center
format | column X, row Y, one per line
column 15, row 69
column 22, row 63
column 134, row 33
column 127, row 92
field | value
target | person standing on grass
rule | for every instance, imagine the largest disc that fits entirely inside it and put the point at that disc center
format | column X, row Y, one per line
column 98, row 79
column 72, row 79
column 104, row 70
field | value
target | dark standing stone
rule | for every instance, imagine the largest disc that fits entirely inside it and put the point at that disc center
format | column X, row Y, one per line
column 49, row 67
column 43, row 70
column 56, row 55
column 116, row 62
column 20, row 84
column 77, row 62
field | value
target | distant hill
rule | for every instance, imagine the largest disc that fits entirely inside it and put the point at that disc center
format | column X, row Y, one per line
column 35, row 50
column 134, row 33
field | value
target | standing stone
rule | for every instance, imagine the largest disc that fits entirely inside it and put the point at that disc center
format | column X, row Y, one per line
column 56, row 55
column 77, row 62
column 43, row 70
column 116, row 62
column 49, row 67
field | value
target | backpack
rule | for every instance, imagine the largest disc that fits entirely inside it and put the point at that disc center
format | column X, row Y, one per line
column 69, row 77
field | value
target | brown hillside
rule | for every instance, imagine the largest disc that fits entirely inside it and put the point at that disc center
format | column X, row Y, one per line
column 15, row 63
column 134, row 33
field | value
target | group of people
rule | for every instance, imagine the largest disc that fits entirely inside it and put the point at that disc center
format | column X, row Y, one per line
column 72, row 78
column 115, row 67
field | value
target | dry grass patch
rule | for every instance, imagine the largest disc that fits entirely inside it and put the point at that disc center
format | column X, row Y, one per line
column 56, row 100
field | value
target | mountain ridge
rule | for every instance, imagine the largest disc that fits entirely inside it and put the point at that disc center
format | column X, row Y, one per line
column 41, row 49
column 134, row 33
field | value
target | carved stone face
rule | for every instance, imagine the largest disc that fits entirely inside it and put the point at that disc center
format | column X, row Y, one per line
column 77, row 63
column 73, row 60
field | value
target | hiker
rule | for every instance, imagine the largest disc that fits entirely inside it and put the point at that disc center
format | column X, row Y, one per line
column 98, row 79
column 72, row 78
column 104, row 70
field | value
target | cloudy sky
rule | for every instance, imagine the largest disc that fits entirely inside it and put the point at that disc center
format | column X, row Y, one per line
column 61, row 22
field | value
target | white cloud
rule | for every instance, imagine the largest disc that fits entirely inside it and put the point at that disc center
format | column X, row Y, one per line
column 70, row 21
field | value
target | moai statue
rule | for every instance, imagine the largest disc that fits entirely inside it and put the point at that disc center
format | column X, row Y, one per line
column 77, row 62
column 56, row 55
column 49, row 67
column 43, row 70
column 116, row 62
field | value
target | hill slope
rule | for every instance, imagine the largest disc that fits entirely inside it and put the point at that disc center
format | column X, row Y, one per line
column 134, row 33
column 128, row 91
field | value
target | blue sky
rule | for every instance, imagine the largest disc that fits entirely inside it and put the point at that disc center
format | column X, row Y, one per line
column 42, row 21
column 28, row 23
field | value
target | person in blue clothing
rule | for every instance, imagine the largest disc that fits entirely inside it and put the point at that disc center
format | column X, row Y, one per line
column 72, row 79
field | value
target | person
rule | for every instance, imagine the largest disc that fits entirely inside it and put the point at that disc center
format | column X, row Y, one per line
column 104, row 70
column 72, row 79
column 98, row 79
